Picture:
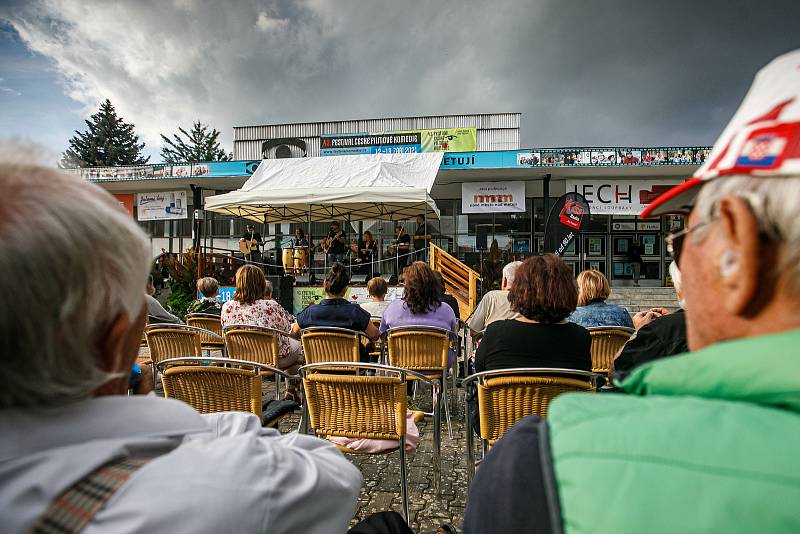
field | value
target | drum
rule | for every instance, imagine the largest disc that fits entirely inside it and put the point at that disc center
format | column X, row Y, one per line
column 287, row 259
column 300, row 260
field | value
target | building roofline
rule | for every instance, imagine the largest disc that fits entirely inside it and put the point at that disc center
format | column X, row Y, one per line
column 381, row 118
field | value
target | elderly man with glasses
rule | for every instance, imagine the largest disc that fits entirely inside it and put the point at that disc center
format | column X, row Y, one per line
column 705, row 441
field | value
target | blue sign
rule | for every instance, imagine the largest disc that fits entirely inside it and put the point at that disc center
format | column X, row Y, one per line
column 225, row 294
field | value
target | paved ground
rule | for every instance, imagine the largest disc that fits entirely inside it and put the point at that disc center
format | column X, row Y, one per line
column 381, row 488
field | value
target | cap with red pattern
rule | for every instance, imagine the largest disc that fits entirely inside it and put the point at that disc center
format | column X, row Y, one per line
column 762, row 138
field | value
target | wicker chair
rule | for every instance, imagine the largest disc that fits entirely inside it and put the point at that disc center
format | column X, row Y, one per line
column 211, row 323
column 606, row 343
column 371, row 407
column 327, row 344
column 507, row 395
column 423, row 349
column 213, row 388
column 254, row 344
column 167, row 341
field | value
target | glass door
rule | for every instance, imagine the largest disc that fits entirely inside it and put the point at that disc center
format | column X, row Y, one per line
column 595, row 252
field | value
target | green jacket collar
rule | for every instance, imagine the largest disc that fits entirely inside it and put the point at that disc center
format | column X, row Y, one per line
column 759, row 370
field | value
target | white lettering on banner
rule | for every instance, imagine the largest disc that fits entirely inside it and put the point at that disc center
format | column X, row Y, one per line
column 161, row 206
column 620, row 197
column 492, row 197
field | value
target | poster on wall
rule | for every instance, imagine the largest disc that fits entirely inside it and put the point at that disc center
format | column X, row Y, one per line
column 161, row 206
column 125, row 201
column 493, row 197
column 614, row 196
column 409, row 141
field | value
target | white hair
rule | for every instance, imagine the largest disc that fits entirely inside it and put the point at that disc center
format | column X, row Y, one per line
column 675, row 274
column 72, row 261
column 510, row 271
column 775, row 202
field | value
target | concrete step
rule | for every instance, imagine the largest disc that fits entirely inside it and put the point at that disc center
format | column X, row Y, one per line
column 637, row 299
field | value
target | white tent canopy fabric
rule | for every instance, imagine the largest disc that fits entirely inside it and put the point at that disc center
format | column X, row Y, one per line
column 369, row 186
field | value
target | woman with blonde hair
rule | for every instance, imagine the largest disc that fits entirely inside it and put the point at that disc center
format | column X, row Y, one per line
column 593, row 290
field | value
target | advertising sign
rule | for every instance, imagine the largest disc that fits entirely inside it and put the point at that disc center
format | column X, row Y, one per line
column 492, row 197
column 568, row 217
column 125, row 201
column 161, row 206
column 305, row 296
column 612, row 196
column 410, row 141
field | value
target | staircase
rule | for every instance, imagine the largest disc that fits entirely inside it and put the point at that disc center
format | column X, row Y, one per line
column 637, row 299
column 459, row 280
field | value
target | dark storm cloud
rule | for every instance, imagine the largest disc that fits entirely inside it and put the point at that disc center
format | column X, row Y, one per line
column 582, row 73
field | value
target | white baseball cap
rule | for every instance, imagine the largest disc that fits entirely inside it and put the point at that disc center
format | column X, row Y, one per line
column 762, row 138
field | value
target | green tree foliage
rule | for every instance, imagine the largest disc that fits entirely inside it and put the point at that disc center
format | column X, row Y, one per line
column 198, row 145
column 108, row 141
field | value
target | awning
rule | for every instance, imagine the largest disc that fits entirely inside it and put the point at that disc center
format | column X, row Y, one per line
column 369, row 186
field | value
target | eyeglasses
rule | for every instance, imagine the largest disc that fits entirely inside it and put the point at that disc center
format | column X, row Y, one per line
column 675, row 240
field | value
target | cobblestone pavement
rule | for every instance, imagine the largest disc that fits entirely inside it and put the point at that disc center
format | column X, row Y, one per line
column 381, row 488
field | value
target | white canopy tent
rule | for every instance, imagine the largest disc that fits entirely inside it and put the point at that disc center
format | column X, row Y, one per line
column 369, row 186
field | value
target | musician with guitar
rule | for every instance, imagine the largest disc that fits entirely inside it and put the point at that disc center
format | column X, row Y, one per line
column 250, row 245
column 334, row 245
column 400, row 248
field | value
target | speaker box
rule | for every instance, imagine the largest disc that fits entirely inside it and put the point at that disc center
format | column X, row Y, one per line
column 282, row 291
column 390, row 279
column 481, row 238
column 358, row 280
column 305, row 280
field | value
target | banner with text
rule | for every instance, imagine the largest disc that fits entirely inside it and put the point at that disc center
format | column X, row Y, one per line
column 410, row 141
column 161, row 206
column 492, row 197
column 614, row 196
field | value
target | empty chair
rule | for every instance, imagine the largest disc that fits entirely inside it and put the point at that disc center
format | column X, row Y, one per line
column 606, row 343
column 213, row 388
column 255, row 344
column 507, row 395
column 372, row 407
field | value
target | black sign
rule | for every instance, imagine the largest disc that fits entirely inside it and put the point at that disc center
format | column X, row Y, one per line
column 568, row 217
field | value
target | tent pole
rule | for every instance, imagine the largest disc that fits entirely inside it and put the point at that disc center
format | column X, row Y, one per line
column 310, row 252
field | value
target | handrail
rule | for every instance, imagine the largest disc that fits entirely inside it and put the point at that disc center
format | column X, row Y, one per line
column 461, row 279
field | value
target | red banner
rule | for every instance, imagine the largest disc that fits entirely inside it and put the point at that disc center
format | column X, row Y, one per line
column 126, row 201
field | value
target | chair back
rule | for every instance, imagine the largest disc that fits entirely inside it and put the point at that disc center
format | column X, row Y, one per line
column 504, row 397
column 172, row 341
column 324, row 345
column 372, row 407
column 606, row 343
column 252, row 343
column 211, row 389
column 419, row 348
column 210, row 323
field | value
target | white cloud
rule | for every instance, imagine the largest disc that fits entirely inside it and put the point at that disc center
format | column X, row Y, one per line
column 581, row 73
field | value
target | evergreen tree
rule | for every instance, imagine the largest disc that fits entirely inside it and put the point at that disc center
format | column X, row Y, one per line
column 197, row 145
column 109, row 141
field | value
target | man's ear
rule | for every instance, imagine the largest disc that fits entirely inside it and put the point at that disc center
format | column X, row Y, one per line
column 740, row 262
column 114, row 353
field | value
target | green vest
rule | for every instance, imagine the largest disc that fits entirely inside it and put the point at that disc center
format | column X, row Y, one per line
column 703, row 442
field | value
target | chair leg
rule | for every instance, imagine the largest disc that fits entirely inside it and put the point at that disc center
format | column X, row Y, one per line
column 437, row 445
column 470, row 443
column 446, row 408
column 277, row 387
column 303, row 426
column 403, row 478
column 484, row 448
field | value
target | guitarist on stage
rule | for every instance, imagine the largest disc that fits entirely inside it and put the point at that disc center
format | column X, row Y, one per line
column 252, row 240
column 335, row 248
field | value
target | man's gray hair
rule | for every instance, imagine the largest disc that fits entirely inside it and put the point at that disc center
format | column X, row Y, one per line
column 72, row 261
column 510, row 271
column 775, row 203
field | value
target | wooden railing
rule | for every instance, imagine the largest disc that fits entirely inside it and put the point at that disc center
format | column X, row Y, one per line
column 459, row 280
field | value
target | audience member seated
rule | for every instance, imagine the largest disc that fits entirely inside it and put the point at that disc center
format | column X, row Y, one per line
column 421, row 304
column 447, row 298
column 593, row 290
column 494, row 305
column 377, row 289
column 252, row 304
column 208, row 303
column 705, row 441
column 155, row 310
column 66, row 418
column 335, row 311
column 656, row 337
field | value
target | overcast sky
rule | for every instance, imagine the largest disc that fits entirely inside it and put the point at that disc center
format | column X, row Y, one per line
column 581, row 72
